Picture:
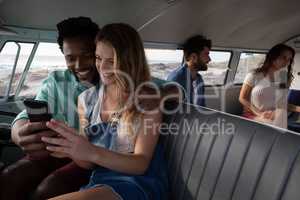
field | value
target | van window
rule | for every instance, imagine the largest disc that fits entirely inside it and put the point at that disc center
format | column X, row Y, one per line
column 48, row 58
column 248, row 61
column 296, row 72
column 217, row 68
column 7, row 61
column 163, row 61
column 26, row 49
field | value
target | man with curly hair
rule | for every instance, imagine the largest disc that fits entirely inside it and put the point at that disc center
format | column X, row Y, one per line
column 39, row 175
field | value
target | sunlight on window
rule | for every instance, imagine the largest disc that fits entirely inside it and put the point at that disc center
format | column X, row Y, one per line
column 7, row 61
column 217, row 68
column 48, row 58
column 163, row 61
column 248, row 62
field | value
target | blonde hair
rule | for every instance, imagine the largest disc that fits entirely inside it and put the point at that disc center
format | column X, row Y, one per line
column 130, row 60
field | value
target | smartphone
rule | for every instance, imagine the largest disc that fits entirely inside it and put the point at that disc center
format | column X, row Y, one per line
column 37, row 111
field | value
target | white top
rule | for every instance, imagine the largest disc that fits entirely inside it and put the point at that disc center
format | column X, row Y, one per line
column 91, row 100
column 267, row 95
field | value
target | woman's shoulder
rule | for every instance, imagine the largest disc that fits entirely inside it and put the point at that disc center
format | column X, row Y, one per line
column 254, row 73
column 252, row 77
column 89, row 95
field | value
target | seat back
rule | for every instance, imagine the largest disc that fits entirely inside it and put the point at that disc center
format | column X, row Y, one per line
column 231, row 99
column 294, row 97
column 294, row 117
column 224, row 98
column 216, row 156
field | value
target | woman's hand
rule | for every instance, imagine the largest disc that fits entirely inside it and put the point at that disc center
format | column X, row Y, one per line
column 269, row 114
column 70, row 144
column 266, row 116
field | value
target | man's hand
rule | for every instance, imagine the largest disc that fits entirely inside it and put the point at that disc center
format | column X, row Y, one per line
column 28, row 135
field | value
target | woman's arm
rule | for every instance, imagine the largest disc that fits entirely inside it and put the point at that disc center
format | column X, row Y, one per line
column 83, row 122
column 244, row 99
column 80, row 149
column 64, row 142
column 137, row 162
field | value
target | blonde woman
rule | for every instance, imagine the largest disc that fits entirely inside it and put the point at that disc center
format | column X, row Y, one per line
column 122, row 130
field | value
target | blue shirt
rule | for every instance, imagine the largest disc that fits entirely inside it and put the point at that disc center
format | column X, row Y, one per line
column 183, row 76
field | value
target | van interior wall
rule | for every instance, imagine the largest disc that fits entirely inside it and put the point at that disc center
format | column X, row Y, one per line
column 220, row 156
column 256, row 24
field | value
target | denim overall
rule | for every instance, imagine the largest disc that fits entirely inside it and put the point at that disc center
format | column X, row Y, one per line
column 153, row 184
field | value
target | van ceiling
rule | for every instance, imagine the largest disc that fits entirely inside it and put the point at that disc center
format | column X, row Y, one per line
column 256, row 24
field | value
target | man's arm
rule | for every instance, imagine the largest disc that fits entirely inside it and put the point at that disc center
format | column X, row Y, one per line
column 28, row 135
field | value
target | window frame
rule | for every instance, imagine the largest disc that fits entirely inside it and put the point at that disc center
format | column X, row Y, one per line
column 247, row 51
column 27, row 69
column 160, row 46
column 228, row 67
column 27, row 65
column 8, row 87
column 171, row 46
column 231, row 70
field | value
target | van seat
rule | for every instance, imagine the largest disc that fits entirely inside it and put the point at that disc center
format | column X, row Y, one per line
column 231, row 99
column 294, row 117
column 217, row 156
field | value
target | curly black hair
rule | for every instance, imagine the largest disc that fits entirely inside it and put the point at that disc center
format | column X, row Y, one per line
column 76, row 27
column 195, row 44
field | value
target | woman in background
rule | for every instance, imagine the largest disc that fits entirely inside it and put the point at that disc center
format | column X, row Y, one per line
column 264, row 91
